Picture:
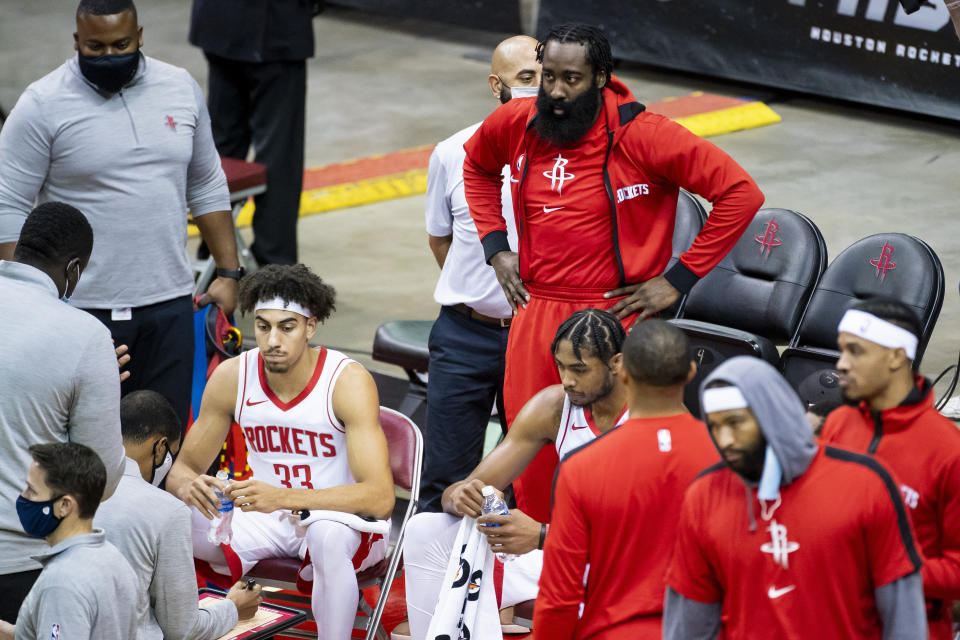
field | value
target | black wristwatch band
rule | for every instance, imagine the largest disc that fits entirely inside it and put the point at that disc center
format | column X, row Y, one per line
column 236, row 274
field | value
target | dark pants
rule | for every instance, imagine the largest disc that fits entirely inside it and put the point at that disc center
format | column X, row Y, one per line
column 465, row 376
column 160, row 338
column 15, row 587
column 264, row 104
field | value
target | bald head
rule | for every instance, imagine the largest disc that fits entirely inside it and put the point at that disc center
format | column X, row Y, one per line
column 514, row 64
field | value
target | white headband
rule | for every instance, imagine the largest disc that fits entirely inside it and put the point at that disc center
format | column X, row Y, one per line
column 279, row 304
column 723, row 399
column 879, row 331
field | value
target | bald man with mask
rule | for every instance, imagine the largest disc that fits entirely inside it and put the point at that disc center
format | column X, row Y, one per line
column 469, row 338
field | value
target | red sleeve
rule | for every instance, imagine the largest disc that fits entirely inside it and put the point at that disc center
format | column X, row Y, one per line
column 564, row 561
column 891, row 544
column 941, row 573
column 487, row 151
column 704, row 169
column 690, row 572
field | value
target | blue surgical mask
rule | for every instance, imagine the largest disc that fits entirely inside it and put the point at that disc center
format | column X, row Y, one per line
column 66, row 298
column 37, row 518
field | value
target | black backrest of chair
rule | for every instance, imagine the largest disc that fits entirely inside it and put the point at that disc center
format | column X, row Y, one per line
column 763, row 284
column 688, row 223
column 893, row 265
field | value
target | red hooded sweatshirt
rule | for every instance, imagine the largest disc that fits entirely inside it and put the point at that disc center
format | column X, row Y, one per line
column 922, row 450
column 601, row 212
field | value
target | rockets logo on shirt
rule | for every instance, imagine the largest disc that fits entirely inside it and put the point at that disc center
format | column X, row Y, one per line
column 558, row 174
column 779, row 546
column 274, row 439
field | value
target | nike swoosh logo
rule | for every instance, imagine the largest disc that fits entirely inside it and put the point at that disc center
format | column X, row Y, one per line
column 776, row 593
column 512, row 179
column 551, row 209
column 575, row 427
column 251, row 404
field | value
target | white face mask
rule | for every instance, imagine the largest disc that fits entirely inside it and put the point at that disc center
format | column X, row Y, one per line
column 160, row 472
column 524, row 92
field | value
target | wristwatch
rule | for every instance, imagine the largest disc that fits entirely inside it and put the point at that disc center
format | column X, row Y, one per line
column 235, row 274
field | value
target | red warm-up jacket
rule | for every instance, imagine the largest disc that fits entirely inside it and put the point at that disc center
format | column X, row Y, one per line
column 648, row 158
column 922, row 449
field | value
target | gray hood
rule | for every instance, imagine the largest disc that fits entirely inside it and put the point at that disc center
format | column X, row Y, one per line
column 778, row 409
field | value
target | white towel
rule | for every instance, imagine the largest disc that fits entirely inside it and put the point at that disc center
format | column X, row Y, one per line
column 376, row 543
column 467, row 606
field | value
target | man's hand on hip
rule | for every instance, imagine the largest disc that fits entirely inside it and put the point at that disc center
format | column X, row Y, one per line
column 515, row 533
column 223, row 293
column 647, row 298
column 506, row 265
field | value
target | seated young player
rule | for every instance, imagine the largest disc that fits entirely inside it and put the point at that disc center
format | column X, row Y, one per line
column 310, row 417
column 590, row 401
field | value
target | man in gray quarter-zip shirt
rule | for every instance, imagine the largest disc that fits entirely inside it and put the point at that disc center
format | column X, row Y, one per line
column 126, row 139
column 151, row 528
column 87, row 589
column 58, row 376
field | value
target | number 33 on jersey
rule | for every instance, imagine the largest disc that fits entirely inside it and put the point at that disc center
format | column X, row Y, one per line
column 298, row 444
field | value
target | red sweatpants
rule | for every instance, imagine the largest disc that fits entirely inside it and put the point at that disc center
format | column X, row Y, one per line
column 530, row 368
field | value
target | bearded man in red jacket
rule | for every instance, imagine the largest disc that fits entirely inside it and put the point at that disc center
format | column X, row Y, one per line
column 894, row 420
column 595, row 180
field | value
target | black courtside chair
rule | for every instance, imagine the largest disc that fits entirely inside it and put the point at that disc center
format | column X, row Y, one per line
column 892, row 265
column 754, row 298
column 690, row 219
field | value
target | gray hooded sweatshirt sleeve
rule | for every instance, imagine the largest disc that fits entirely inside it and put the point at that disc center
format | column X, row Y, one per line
column 773, row 402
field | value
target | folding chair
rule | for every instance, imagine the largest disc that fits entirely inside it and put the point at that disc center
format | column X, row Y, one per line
column 405, row 445
column 404, row 343
column 753, row 300
column 893, row 265
column 244, row 179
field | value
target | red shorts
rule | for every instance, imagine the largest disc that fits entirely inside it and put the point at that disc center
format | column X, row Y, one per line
column 530, row 368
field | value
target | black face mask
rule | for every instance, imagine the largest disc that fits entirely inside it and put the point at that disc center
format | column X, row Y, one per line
column 109, row 73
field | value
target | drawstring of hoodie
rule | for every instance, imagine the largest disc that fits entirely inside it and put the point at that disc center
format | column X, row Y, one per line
column 753, row 519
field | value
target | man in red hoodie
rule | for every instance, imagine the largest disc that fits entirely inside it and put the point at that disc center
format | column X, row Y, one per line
column 896, row 422
column 595, row 181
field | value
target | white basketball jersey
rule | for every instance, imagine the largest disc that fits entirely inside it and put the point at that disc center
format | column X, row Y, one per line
column 298, row 444
column 577, row 427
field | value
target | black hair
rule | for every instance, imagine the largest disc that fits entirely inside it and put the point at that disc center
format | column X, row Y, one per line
column 657, row 353
column 597, row 331
column 105, row 7
column 54, row 233
column 146, row 413
column 292, row 283
column 74, row 469
column 598, row 47
column 893, row 311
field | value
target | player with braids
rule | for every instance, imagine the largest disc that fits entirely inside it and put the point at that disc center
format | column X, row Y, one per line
column 596, row 178
column 601, row 331
column 591, row 400
column 310, row 417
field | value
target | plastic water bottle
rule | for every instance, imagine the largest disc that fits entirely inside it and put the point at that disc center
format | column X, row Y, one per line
column 494, row 505
column 221, row 531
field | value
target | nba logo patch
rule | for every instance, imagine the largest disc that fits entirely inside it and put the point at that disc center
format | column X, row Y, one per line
column 54, row 631
column 664, row 441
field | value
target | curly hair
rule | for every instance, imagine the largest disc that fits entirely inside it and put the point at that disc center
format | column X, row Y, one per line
column 54, row 232
column 292, row 283
column 593, row 330
column 598, row 47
